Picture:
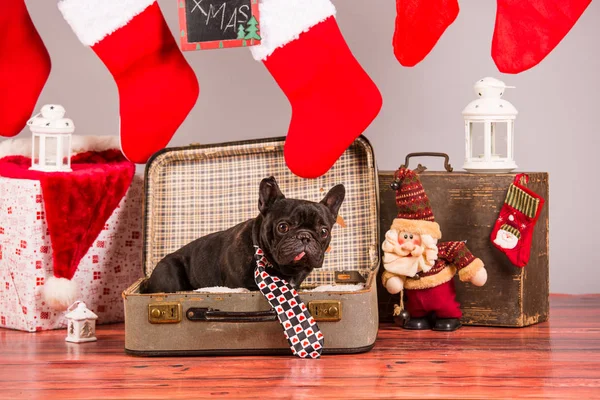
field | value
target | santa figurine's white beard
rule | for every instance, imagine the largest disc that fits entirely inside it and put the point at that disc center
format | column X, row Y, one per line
column 506, row 240
column 398, row 260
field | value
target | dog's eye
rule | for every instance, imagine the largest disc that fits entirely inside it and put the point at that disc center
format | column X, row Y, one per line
column 283, row 227
column 324, row 233
column 411, row 236
column 405, row 236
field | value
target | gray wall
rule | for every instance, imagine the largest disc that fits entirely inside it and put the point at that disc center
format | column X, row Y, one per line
column 558, row 101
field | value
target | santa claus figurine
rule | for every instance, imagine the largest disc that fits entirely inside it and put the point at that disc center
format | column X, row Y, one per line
column 415, row 262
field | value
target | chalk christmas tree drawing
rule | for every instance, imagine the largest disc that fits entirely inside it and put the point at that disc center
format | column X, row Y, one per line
column 241, row 34
column 252, row 29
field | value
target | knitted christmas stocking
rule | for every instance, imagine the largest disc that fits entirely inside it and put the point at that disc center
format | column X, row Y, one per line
column 24, row 66
column 419, row 25
column 157, row 87
column 527, row 31
column 513, row 230
column 333, row 99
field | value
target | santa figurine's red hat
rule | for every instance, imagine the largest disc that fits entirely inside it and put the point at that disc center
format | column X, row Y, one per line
column 414, row 210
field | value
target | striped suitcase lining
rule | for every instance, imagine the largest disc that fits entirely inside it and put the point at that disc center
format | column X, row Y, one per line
column 194, row 192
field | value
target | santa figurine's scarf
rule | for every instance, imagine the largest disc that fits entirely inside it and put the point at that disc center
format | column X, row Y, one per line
column 299, row 327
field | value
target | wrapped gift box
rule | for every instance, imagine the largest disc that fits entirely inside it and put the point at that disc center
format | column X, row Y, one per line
column 109, row 267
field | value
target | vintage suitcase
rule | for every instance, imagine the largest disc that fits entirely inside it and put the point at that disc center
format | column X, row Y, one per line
column 197, row 190
column 466, row 207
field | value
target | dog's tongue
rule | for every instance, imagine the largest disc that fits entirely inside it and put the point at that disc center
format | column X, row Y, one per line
column 299, row 256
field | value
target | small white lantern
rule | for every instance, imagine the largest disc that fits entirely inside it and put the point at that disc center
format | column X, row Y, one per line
column 51, row 139
column 491, row 118
column 81, row 323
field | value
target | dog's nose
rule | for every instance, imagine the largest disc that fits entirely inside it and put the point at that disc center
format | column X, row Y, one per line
column 305, row 237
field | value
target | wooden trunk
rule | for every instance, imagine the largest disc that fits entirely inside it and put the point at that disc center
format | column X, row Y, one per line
column 466, row 207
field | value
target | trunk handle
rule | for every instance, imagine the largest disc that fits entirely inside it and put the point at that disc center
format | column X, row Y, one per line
column 212, row 315
column 420, row 168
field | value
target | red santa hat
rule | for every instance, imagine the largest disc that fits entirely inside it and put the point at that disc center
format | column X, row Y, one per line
column 414, row 210
column 76, row 211
column 77, row 204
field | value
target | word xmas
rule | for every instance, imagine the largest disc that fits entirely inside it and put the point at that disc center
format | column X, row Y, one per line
column 226, row 15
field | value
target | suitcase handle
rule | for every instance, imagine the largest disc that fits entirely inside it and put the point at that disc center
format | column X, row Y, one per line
column 420, row 168
column 212, row 315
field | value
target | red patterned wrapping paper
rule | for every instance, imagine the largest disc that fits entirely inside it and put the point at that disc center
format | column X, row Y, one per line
column 110, row 266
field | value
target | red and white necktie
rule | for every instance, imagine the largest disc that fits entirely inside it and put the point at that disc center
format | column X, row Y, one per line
column 299, row 327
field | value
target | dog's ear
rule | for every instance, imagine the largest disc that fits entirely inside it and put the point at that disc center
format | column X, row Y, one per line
column 268, row 194
column 334, row 198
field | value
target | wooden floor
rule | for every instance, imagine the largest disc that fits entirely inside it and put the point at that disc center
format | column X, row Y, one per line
column 557, row 359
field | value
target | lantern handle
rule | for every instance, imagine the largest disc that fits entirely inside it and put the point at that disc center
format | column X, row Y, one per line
column 30, row 120
column 521, row 179
column 420, row 168
column 72, row 306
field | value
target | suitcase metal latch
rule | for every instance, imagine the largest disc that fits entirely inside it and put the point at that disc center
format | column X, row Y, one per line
column 325, row 310
column 164, row 313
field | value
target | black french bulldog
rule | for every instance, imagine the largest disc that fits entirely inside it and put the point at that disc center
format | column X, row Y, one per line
column 294, row 235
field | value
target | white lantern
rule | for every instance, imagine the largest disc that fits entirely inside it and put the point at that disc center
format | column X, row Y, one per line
column 51, row 139
column 81, row 323
column 490, row 120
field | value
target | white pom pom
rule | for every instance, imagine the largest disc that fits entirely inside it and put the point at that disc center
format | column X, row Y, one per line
column 59, row 293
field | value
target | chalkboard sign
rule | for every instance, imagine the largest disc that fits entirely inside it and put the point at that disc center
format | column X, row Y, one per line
column 217, row 24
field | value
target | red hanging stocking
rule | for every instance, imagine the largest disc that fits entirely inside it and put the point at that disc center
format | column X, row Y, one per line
column 528, row 30
column 157, row 87
column 24, row 66
column 419, row 26
column 333, row 99
column 513, row 230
